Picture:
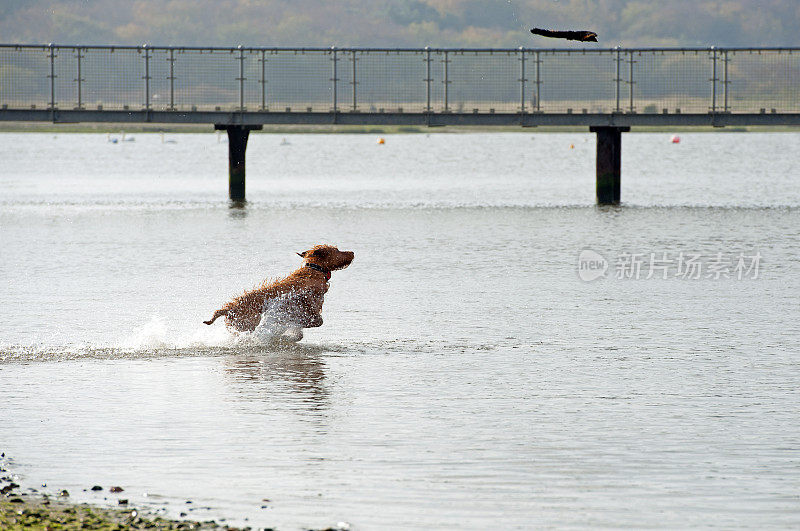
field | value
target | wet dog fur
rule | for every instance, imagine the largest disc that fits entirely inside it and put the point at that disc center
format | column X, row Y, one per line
column 298, row 297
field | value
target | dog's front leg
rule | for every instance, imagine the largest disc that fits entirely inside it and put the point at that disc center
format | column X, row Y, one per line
column 314, row 322
column 293, row 334
column 311, row 306
column 310, row 320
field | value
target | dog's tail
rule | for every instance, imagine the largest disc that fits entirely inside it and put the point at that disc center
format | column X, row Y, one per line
column 218, row 313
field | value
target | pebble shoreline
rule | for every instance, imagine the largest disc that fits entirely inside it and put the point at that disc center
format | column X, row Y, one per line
column 33, row 510
column 38, row 511
column 18, row 512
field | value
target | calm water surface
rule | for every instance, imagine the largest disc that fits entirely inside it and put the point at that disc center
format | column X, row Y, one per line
column 465, row 377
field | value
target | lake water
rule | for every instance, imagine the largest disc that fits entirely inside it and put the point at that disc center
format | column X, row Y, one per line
column 468, row 375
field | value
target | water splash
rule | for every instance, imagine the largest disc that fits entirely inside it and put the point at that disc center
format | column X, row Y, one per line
column 155, row 334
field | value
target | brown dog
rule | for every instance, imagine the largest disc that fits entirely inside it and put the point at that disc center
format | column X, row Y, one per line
column 292, row 303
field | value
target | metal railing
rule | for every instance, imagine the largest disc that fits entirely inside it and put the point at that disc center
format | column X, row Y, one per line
column 424, row 80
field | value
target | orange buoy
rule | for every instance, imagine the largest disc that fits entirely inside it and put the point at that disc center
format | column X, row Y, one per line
column 572, row 146
column 676, row 139
column 381, row 140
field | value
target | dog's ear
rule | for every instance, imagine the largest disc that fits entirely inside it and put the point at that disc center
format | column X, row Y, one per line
column 313, row 253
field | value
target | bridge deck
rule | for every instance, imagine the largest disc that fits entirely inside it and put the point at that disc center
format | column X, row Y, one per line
column 417, row 119
column 240, row 89
column 423, row 86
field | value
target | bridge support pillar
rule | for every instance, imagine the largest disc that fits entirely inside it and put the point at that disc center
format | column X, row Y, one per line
column 609, row 159
column 237, row 146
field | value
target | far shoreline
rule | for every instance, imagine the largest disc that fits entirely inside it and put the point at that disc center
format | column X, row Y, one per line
column 114, row 128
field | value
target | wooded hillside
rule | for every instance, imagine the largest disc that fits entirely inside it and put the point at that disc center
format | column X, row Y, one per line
column 476, row 23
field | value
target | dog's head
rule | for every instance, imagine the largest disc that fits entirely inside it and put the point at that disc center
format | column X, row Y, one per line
column 328, row 257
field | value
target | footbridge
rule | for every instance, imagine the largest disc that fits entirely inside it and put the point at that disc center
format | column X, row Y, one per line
column 241, row 89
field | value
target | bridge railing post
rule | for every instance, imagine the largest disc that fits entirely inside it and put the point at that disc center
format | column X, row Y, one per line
column 79, row 80
column 334, row 80
column 713, row 80
column 146, row 78
column 538, row 106
column 446, row 81
column 353, row 58
column 428, row 79
column 171, row 79
column 263, row 80
column 618, row 79
column 52, row 76
column 631, row 82
column 241, row 79
column 725, row 81
column 522, row 80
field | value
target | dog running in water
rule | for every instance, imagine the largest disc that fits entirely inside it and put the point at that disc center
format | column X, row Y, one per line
column 291, row 303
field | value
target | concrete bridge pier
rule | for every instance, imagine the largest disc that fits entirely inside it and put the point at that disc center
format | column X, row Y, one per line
column 237, row 146
column 609, row 160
